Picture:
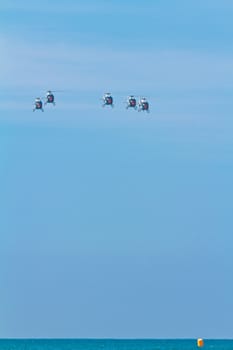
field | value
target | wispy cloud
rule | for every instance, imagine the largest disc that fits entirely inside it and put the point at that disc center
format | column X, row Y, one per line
column 45, row 6
column 69, row 6
column 103, row 6
column 94, row 68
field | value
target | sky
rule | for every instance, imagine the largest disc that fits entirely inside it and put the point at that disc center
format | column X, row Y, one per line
column 114, row 223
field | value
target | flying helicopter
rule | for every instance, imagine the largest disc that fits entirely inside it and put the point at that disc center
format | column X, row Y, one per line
column 49, row 98
column 131, row 102
column 38, row 104
column 143, row 105
column 107, row 100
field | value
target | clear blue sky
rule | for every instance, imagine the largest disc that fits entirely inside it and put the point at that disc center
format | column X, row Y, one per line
column 115, row 223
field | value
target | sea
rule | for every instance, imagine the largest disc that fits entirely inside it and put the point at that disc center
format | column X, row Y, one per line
column 113, row 344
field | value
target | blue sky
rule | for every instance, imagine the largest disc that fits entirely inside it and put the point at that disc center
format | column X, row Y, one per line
column 115, row 223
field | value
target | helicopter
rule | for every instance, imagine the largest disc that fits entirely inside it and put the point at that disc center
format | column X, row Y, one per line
column 143, row 105
column 49, row 98
column 131, row 102
column 107, row 100
column 38, row 104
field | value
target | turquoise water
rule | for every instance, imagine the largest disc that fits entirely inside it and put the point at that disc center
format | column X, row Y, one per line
column 110, row 344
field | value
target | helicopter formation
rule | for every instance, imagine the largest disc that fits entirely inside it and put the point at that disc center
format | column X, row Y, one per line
column 49, row 98
column 131, row 102
column 107, row 100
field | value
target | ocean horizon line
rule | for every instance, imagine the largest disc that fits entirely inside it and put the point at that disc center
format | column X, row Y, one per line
column 111, row 338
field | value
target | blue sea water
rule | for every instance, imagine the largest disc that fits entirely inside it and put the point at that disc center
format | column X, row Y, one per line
column 112, row 344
